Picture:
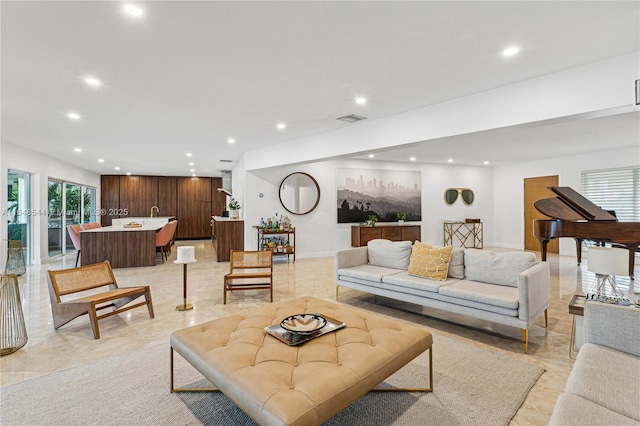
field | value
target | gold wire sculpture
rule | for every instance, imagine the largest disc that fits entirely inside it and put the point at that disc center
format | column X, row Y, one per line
column 13, row 331
column 15, row 259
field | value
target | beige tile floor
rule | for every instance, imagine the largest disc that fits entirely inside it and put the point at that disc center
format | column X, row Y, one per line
column 50, row 350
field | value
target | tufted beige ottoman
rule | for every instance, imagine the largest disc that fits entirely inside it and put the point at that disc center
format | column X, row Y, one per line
column 277, row 384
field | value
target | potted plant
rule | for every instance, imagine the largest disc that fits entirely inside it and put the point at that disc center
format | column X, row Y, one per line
column 372, row 220
column 234, row 207
column 402, row 216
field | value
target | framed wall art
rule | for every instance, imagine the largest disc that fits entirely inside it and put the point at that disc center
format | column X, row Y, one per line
column 382, row 193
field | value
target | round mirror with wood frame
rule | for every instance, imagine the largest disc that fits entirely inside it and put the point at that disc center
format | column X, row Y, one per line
column 299, row 193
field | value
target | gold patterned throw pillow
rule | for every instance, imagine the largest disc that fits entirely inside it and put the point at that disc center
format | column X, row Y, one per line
column 430, row 262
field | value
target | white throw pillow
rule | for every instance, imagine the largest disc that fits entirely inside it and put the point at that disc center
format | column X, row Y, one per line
column 496, row 268
column 389, row 254
column 456, row 264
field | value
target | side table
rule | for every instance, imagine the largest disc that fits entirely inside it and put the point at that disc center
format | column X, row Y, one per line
column 463, row 234
column 576, row 308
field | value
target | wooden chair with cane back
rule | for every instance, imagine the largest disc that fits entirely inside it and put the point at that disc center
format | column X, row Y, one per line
column 249, row 270
column 69, row 281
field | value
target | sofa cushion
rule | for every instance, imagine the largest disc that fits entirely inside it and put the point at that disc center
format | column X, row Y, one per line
column 573, row 410
column 496, row 268
column 429, row 262
column 607, row 377
column 456, row 264
column 490, row 294
column 367, row 272
column 403, row 279
column 389, row 254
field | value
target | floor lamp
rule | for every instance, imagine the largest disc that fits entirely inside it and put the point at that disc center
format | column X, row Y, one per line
column 606, row 263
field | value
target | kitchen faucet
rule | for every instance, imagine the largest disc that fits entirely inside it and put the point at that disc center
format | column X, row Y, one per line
column 157, row 210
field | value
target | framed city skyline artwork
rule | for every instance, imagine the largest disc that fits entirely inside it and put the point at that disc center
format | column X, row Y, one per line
column 383, row 193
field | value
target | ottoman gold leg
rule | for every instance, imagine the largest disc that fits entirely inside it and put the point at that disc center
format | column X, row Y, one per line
column 175, row 390
column 429, row 389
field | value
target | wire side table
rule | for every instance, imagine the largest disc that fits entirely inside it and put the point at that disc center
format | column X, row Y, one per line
column 13, row 331
column 463, row 234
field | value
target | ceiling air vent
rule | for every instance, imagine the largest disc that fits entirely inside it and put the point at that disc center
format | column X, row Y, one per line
column 352, row 118
column 225, row 161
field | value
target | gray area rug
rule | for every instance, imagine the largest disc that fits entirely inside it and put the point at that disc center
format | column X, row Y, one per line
column 472, row 386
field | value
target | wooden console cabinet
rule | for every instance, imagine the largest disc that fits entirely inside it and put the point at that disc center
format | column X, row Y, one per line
column 361, row 235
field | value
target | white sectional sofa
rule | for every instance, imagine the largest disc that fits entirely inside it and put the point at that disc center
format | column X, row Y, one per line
column 509, row 288
column 604, row 385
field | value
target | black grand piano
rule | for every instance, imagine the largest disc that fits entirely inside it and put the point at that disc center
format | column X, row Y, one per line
column 576, row 217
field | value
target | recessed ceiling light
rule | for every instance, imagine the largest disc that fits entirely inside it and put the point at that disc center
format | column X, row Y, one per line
column 191, row 164
column 189, row 154
column 231, row 140
column 192, row 170
column 100, row 160
column 117, row 168
column 486, row 162
column 510, row 51
column 194, row 175
column 281, row 126
column 412, row 159
column 73, row 116
column 77, row 149
column 361, row 100
column 132, row 10
column 128, row 173
column 92, row 81
column 450, row 160
column 371, row 155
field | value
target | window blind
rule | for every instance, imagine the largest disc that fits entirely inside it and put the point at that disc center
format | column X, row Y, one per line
column 614, row 189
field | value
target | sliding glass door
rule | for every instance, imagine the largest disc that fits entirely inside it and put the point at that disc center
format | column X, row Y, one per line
column 69, row 204
column 54, row 218
column 19, row 210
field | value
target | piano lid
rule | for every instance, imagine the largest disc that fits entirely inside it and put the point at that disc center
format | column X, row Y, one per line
column 571, row 206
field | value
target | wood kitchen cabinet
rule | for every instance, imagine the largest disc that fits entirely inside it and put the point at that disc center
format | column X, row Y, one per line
column 109, row 198
column 361, row 235
column 191, row 200
column 194, row 207
column 137, row 195
column 228, row 234
column 168, row 195
column 218, row 199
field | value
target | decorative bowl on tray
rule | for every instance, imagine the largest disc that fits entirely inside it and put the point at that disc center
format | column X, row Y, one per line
column 303, row 323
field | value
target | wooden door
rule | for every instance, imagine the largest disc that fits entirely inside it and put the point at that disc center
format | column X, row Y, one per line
column 535, row 189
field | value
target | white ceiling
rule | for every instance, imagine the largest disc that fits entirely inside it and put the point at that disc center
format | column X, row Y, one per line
column 187, row 76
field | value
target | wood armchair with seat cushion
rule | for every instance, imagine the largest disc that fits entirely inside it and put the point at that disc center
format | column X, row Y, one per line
column 69, row 281
column 249, row 270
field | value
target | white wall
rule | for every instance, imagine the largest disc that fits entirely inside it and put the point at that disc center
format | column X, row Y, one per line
column 509, row 188
column 319, row 234
column 42, row 168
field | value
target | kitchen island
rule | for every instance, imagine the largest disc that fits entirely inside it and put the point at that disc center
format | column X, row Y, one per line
column 122, row 247
column 227, row 235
